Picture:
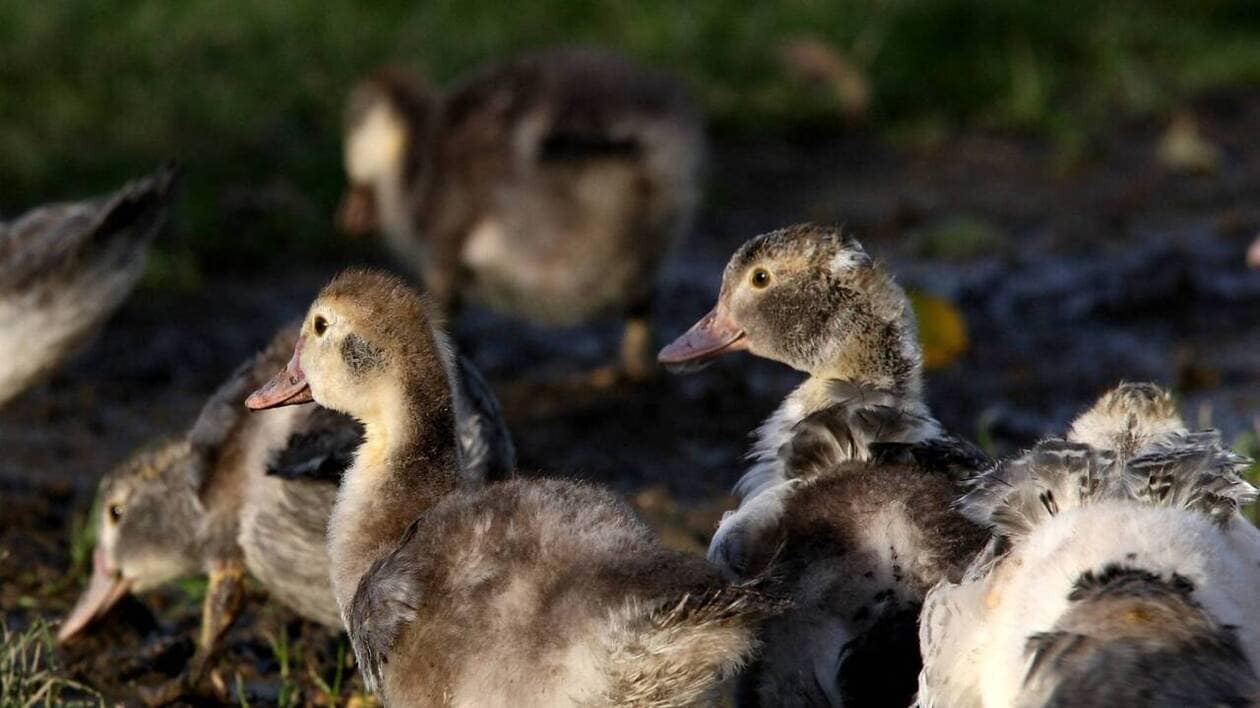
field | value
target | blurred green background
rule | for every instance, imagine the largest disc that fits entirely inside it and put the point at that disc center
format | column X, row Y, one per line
column 248, row 94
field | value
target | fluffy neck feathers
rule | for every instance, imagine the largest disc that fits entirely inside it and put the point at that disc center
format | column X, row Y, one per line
column 407, row 463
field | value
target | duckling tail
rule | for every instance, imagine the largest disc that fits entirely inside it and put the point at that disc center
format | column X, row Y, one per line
column 681, row 651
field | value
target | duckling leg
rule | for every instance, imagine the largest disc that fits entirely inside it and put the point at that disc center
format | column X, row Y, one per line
column 638, row 361
column 219, row 609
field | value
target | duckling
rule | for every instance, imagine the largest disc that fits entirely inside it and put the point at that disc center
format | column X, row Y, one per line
column 848, row 505
column 550, row 188
column 240, row 493
column 65, row 268
column 1120, row 573
column 1126, row 419
column 538, row 592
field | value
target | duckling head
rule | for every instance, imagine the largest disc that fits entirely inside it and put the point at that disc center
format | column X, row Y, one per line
column 1128, row 418
column 146, row 529
column 367, row 348
column 810, row 297
column 385, row 118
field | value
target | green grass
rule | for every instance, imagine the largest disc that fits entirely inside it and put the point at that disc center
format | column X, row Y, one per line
column 30, row 674
column 1248, row 444
column 249, row 94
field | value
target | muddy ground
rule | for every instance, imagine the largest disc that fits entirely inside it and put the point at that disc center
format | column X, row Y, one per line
column 1082, row 275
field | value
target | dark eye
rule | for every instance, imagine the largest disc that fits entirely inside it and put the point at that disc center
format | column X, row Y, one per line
column 760, row 278
column 115, row 512
column 321, row 326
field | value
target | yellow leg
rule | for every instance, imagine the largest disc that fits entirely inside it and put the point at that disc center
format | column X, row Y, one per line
column 218, row 611
column 638, row 361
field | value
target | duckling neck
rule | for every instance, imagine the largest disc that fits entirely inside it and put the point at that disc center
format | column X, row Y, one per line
column 889, row 359
column 407, row 463
column 394, row 202
column 819, row 392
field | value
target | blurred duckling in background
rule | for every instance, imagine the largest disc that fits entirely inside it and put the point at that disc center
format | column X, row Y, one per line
column 551, row 187
column 65, row 268
column 848, row 507
column 526, row 592
column 252, row 493
column 1120, row 572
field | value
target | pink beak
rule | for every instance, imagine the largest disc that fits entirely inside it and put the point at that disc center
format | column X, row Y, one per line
column 714, row 335
column 288, row 387
column 104, row 590
column 1253, row 254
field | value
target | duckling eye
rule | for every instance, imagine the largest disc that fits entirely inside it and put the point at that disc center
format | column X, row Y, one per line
column 321, row 326
column 760, row 278
column 115, row 513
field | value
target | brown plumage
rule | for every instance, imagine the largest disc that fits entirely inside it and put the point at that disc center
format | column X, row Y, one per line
column 550, row 187
column 524, row 592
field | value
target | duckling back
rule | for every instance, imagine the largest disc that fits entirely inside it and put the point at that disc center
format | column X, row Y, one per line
column 546, row 593
column 64, row 268
column 1104, row 581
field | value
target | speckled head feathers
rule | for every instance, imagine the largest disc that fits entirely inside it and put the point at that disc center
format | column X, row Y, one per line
column 810, row 297
column 1128, row 418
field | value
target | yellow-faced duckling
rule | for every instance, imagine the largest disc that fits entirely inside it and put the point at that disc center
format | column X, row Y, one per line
column 252, row 493
column 65, row 268
column 550, row 187
column 848, row 505
column 1120, row 573
column 537, row 592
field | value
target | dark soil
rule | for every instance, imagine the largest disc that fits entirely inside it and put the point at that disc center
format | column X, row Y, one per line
column 1114, row 269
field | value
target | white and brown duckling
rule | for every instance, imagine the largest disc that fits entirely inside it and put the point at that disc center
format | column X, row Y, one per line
column 1127, row 418
column 848, row 506
column 550, row 187
column 65, row 268
column 1120, row 573
column 254, row 493
column 537, row 592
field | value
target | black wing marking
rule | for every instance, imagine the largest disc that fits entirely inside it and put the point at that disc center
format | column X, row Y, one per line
column 323, row 450
column 574, row 145
column 486, row 452
column 959, row 459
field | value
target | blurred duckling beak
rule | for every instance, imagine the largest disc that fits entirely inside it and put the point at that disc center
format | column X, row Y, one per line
column 104, row 590
column 357, row 214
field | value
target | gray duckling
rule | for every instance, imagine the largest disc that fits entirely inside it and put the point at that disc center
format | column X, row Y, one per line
column 525, row 592
column 550, row 187
column 66, row 267
column 848, row 507
column 1120, row 572
column 244, row 493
